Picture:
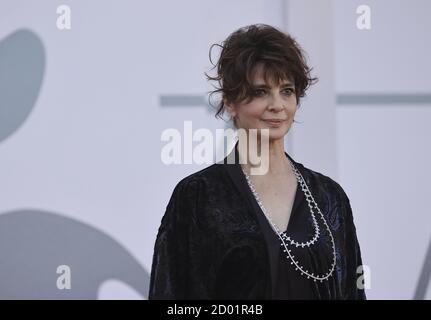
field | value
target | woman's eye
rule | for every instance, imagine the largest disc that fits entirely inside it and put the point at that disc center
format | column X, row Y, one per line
column 259, row 92
column 289, row 91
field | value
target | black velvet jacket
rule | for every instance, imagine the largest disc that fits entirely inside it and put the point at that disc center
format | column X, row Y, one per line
column 210, row 245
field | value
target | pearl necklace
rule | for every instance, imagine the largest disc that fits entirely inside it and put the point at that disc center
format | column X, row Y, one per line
column 286, row 240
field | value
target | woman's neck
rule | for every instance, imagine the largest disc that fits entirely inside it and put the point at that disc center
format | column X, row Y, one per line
column 275, row 160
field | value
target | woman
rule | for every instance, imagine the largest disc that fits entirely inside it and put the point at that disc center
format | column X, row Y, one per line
column 284, row 234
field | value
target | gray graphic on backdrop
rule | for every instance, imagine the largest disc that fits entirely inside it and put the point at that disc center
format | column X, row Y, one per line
column 384, row 99
column 22, row 64
column 187, row 100
column 342, row 99
column 425, row 276
column 34, row 243
column 37, row 242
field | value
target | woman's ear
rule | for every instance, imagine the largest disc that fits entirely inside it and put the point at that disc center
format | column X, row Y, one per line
column 230, row 108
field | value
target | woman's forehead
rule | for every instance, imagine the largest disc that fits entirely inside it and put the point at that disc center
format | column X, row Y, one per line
column 267, row 76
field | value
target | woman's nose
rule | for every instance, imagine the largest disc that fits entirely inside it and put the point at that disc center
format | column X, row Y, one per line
column 276, row 104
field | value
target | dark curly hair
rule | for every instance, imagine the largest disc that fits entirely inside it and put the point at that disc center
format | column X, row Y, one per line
column 243, row 50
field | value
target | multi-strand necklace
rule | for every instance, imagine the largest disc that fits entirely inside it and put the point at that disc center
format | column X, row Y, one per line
column 286, row 241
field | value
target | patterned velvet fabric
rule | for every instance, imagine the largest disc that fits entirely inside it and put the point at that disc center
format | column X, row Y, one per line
column 210, row 244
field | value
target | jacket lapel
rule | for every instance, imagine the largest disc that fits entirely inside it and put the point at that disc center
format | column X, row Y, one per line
column 233, row 167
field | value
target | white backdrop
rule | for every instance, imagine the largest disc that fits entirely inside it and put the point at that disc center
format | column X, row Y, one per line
column 81, row 180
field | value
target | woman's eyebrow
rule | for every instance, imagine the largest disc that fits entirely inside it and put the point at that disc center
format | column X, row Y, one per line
column 263, row 85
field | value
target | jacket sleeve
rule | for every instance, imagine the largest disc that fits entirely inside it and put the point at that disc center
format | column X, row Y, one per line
column 353, row 284
column 169, row 268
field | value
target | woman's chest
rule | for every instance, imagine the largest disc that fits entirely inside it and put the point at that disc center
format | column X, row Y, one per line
column 276, row 200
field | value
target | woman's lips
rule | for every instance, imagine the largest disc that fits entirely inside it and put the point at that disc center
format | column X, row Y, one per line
column 274, row 122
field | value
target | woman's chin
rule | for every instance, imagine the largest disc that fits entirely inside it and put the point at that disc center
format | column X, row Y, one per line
column 273, row 137
column 277, row 133
column 273, row 133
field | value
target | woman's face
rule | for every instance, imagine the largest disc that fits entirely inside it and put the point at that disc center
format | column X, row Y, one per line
column 272, row 107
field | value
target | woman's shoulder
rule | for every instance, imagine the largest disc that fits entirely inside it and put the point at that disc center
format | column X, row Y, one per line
column 334, row 202
column 187, row 193
column 199, row 179
column 322, row 183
